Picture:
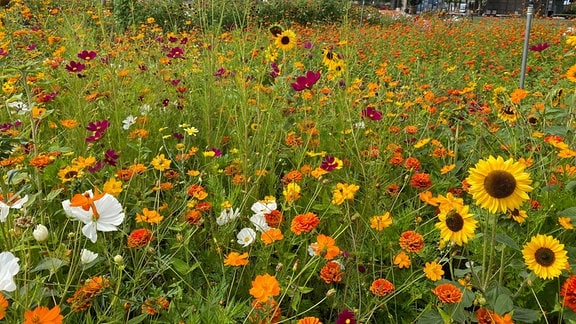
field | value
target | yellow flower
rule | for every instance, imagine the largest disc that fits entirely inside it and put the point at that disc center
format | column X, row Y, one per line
column 149, row 216
column 571, row 40
column 291, row 192
column 344, row 192
column 499, row 185
column 70, row 173
column 160, row 163
column 546, row 256
column 113, row 187
column 286, row 40
column 566, row 222
column 571, row 73
column 433, row 271
column 402, row 260
column 447, row 168
column 456, row 225
column 381, row 222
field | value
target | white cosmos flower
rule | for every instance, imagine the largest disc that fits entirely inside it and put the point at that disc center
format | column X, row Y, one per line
column 264, row 207
column 8, row 270
column 13, row 202
column 246, row 236
column 259, row 221
column 129, row 121
column 87, row 256
column 99, row 212
column 227, row 215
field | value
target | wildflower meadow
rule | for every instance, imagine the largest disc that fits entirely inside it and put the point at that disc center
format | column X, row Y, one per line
column 169, row 162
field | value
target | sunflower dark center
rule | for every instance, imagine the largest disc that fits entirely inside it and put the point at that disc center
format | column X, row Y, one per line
column 70, row 174
column 329, row 55
column 508, row 110
column 285, row 40
column 454, row 222
column 544, row 257
column 500, row 184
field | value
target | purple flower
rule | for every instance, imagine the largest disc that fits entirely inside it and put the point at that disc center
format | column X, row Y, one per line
column 217, row 152
column 539, row 47
column 346, row 317
column 75, row 67
column 31, row 47
column 372, row 113
column 87, row 55
column 178, row 136
column 221, row 72
column 96, row 167
column 329, row 163
column 308, row 45
column 307, row 81
column 95, row 137
column 175, row 52
column 275, row 70
column 111, row 157
column 98, row 126
column 3, row 52
column 175, row 82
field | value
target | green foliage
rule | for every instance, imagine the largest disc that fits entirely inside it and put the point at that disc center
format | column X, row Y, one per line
column 302, row 11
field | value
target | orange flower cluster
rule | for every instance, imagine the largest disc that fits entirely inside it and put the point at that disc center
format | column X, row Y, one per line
column 85, row 295
column 43, row 315
column 568, row 291
column 304, row 223
column 153, row 306
column 381, row 287
column 235, row 259
column 140, row 237
column 486, row 316
column 331, row 272
column 267, row 312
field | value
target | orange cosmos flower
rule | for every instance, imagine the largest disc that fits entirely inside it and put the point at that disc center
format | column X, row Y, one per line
column 304, row 223
column 43, row 315
column 149, row 216
column 265, row 287
column 412, row 241
column 448, row 293
column 140, row 237
column 325, row 246
column 197, row 191
column 154, row 306
column 265, row 312
column 235, row 259
column 331, row 272
column 272, row 235
column 433, row 271
column 3, row 306
column 402, row 260
column 517, row 95
column 381, row 287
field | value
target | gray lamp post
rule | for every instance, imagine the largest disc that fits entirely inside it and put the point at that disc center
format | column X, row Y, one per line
column 529, row 14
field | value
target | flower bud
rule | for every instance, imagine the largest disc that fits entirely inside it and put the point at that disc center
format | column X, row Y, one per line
column 40, row 233
column 118, row 259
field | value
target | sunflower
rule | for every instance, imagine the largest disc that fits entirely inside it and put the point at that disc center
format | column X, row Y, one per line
column 286, row 40
column 499, row 185
column 456, row 225
column 508, row 113
column 546, row 256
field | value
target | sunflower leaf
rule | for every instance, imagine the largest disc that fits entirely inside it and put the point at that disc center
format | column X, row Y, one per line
column 507, row 240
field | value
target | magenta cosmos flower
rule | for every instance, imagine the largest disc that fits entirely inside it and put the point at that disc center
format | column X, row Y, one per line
column 75, row 67
column 87, row 55
column 539, row 47
column 307, row 81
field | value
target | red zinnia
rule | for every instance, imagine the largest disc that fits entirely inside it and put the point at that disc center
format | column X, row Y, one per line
column 421, row 181
column 140, row 237
column 568, row 291
column 381, row 287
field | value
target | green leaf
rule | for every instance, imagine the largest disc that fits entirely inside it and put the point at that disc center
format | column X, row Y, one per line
column 571, row 185
column 524, row 315
column 137, row 319
column 53, row 194
column 569, row 212
column 446, row 318
column 430, row 316
column 507, row 240
column 52, row 264
column 503, row 304
column 305, row 290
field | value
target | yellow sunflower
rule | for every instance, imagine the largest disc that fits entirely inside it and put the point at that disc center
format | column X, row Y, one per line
column 571, row 73
column 286, row 40
column 546, row 256
column 499, row 185
column 456, row 225
column 508, row 113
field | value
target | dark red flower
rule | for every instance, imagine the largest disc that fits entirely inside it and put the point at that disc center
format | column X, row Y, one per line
column 539, row 47
column 346, row 317
column 87, row 55
column 372, row 113
column 307, row 81
column 75, row 67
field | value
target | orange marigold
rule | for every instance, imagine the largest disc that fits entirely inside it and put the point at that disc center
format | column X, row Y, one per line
column 264, row 287
column 309, row 320
column 85, row 295
column 274, row 218
column 412, row 241
column 292, row 176
column 193, row 216
column 421, row 181
column 304, row 223
column 197, row 191
column 43, row 315
column 381, row 287
column 140, row 237
column 41, row 161
column 448, row 293
column 331, row 272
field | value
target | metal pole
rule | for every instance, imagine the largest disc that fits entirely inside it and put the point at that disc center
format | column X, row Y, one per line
column 529, row 14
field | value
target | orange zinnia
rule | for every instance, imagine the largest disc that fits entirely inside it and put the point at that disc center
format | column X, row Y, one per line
column 412, row 241
column 236, row 259
column 85, row 295
column 140, row 237
column 43, row 315
column 264, row 287
column 304, row 223
column 568, row 291
column 309, row 320
column 274, row 218
column 325, row 246
column 381, row 287
column 421, row 181
column 448, row 293
column 331, row 272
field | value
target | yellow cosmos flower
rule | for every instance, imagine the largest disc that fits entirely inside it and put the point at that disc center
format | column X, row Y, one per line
column 546, row 256
column 566, row 222
column 571, row 73
column 161, row 163
column 381, row 222
column 499, row 185
column 433, row 271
